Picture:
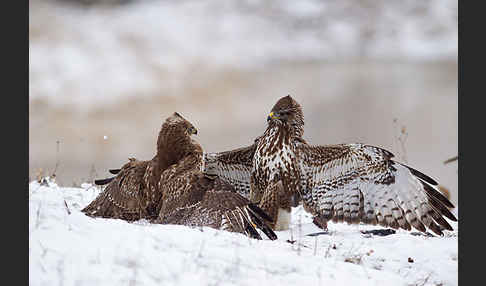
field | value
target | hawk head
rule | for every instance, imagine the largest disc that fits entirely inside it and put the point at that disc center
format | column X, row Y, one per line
column 174, row 141
column 287, row 111
column 179, row 125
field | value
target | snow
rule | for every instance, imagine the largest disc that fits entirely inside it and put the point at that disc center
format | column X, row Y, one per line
column 68, row 248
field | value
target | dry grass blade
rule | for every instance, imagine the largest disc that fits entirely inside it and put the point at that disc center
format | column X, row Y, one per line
column 450, row 160
column 67, row 208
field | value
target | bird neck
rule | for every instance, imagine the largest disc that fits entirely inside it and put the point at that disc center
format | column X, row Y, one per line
column 169, row 154
column 291, row 129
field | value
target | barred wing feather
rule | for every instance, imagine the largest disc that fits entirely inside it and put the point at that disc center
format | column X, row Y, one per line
column 233, row 167
column 123, row 197
column 360, row 183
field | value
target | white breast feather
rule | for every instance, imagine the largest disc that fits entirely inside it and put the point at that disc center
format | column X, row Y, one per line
column 274, row 162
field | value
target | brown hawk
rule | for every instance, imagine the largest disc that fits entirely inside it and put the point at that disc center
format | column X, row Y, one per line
column 345, row 182
column 171, row 189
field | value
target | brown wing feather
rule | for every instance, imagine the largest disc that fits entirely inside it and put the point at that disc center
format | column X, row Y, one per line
column 123, row 196
column 360, row 183
column 191, row 198
column 134, row 192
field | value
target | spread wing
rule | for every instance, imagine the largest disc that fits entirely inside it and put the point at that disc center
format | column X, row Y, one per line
column 360, row 183
column 191, row 198
column 122, row 197
column 101, row 182
column 233, row 167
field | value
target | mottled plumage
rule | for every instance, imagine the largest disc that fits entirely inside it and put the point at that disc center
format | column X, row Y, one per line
column 123, row 197
column 138, row 180
column 233, row 166
column 171, row 189
column 345, row 182
column 194, row 199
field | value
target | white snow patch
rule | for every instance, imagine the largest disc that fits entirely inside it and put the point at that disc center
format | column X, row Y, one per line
column 68, row 248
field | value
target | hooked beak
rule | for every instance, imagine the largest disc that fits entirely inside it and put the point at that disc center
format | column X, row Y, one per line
column 193, row 131
column 271, row 116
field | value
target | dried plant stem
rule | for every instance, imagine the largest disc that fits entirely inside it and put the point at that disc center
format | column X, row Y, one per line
column 402, row 138
column 450, row 160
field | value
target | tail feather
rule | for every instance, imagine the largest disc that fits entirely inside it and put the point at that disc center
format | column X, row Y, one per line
column 244, row 223
column 101, row 182
column 251, row 231
column 255, row 209
column 255, row 217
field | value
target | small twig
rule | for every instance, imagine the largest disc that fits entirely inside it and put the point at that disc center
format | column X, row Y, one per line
column 326, row 255
column 57, row 159
column 426, row 279
column 60, row 271
column 133, row 279
column 92, row 173
column 40, row 176
column 291, row 240
column 451, row 159
column 44, row 249
column 199, row 255
column 37, row 223
column 67, row 208
column 402, row 138
column 300, row 234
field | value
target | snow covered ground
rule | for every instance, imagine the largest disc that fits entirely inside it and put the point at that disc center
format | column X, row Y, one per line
column 68, row 248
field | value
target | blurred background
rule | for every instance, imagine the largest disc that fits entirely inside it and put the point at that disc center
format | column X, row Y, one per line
column 104, row 74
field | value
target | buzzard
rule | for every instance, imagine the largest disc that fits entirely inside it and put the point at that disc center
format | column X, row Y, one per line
column 171, row 189
column 344, row 182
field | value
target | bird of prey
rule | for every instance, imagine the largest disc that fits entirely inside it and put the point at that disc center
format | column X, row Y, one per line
column 343, row 182
column 171, row 189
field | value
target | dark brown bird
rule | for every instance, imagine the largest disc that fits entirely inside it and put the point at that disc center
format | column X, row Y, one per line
column 345, row 182
column 171, row 189
column 133, row 193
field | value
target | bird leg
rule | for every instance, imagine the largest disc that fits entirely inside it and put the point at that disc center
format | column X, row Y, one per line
column 320, row 222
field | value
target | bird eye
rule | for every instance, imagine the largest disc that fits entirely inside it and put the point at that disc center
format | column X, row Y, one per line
column 191, row 130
